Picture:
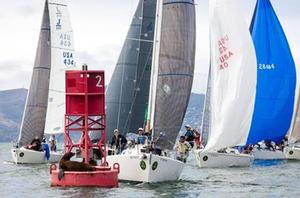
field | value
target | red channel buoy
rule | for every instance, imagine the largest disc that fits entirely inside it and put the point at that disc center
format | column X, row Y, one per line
column 85, row 114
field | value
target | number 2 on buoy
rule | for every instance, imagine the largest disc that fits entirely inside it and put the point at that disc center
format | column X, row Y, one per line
column 99, row 81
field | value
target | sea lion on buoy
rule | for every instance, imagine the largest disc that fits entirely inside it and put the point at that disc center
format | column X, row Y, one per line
column 67, row 165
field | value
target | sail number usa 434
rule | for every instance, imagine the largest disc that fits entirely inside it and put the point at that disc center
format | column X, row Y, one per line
column 68, row 59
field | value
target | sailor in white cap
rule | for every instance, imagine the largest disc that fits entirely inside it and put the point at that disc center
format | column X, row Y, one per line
column 141, row 139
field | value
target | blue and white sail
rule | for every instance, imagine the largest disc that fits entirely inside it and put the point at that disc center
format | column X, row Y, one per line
column 276, row 77
column 232, row 76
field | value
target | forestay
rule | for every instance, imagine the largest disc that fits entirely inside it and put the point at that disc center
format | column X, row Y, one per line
column 276, row 77
column 233, row 76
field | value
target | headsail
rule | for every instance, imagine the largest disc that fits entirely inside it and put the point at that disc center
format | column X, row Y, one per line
column 128, row 91
column 62, row 59
column 233, row 76
column 48, row 73
column 276, row 77
column 175, row 69
column 207, row 114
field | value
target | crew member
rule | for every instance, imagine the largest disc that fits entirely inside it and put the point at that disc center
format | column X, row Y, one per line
column 118, row 141
column 189, row 135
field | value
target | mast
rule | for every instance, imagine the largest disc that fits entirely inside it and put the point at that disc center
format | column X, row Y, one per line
column 154, row 67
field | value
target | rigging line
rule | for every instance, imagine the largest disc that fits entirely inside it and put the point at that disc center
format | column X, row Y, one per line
column 121, row 91
column 136, row 92
column 123, row 71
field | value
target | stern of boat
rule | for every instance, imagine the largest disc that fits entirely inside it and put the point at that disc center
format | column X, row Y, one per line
column 222, row 160
column 146, row 167
column 292, row 152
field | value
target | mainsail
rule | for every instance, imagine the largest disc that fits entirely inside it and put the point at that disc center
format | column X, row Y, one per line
column 175, row 69
column 128, row 91
column 276, row 77
column 233, row 76
column 46, row 92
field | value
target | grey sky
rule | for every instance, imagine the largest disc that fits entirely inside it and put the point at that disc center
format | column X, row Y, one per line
column 100, row 27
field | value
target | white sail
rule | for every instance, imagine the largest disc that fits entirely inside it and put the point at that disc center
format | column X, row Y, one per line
column 294, row 132
column 233, row 75
column 62, row 58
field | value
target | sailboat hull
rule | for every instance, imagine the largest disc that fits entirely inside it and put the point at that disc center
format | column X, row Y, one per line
column 222, row 160
column 264, row 154
column 145, row 167
column 26, row 156
column 292, row 152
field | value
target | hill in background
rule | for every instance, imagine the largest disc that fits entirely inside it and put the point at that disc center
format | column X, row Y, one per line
column 11, row 110
column 12, row 104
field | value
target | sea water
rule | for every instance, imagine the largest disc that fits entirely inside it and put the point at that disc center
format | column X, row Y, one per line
column 262, row 179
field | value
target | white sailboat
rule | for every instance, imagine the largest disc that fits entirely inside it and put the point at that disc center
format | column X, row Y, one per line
column 168, row 91
column 139, row 166
column 232, row 86
column 45, row 106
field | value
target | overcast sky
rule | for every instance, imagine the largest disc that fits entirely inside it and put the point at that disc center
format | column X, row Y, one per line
column 100, row 27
